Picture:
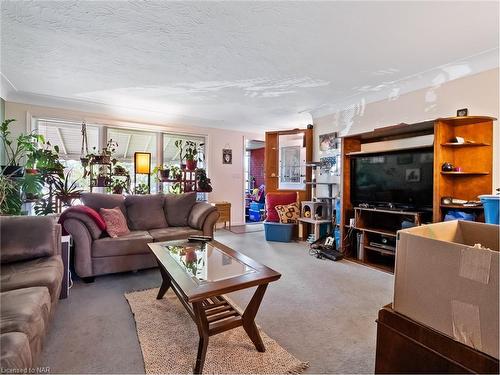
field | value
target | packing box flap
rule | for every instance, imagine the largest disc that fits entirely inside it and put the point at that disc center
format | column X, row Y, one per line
column 460, row 232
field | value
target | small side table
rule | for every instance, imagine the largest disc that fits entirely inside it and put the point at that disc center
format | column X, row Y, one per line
column 224, row 209
column 65, row 255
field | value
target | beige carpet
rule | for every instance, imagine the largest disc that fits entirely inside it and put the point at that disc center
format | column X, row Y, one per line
column 248, row 228
column 169, row 340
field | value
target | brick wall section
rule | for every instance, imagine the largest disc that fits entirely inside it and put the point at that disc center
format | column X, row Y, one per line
column 257, row 165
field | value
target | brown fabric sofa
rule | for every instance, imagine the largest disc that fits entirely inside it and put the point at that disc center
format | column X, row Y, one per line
column 150, row 218
column 30, row 283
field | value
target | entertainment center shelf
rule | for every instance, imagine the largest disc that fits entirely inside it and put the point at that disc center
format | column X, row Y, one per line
column 401, row 152
column 470, row 144
column 464, row 173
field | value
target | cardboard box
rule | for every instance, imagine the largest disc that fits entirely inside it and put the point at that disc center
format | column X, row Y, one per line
column 442, row 281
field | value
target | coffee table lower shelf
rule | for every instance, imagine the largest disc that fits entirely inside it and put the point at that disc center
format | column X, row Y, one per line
column 215, row 315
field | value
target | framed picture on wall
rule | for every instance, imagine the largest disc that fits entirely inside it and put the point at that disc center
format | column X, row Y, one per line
column 227, row 156
column 328, row 142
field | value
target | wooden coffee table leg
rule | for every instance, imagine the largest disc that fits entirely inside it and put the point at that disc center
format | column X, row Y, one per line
column 166, row 282
column 249, row 318
column 202, row 324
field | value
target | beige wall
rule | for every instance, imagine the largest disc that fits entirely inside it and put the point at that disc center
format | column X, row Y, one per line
column 227, row 180
column 478, row 93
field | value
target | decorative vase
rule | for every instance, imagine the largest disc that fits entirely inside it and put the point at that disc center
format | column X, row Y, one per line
column 191, row 165
column 447, row 167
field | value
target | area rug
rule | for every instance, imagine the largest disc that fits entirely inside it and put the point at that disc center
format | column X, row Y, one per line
column 169, row 341
column 249, row 228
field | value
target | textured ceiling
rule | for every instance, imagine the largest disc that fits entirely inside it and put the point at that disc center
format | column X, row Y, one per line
column 244, row 65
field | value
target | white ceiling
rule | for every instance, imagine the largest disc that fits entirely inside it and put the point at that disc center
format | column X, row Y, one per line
column 241, row 65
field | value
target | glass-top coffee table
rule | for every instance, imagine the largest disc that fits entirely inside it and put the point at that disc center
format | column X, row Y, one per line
column 200, row 273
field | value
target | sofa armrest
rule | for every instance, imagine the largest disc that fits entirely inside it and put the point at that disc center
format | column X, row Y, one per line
column 209, row 223
column 57, row 239
column 28, row 237
column 83, row 246
column 199, row 213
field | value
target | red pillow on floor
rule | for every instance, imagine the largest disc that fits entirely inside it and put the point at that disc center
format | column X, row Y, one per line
column 276, row 199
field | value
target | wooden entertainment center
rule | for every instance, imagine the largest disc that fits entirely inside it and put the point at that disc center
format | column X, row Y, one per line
column 473, row 157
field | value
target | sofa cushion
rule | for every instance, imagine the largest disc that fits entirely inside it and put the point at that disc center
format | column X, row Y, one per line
column 145, row 212
column 199, row 213
column 15, row 351
column 97, row 201
column 288, row 213
column 46, row 272
column 116, row 223
column 173, row 233
column 26, row 310
column 177, row 208
column 24, row 237
column 275, row 199
column 136, row 242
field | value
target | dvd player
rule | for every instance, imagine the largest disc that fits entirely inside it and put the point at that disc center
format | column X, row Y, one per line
column 383, row 246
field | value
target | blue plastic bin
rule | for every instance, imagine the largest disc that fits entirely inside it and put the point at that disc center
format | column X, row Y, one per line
column 253, row 215
column 278, row 232
column 256, row 206
column 491, row 204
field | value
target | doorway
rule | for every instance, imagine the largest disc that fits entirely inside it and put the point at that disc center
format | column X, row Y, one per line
column 254, row 188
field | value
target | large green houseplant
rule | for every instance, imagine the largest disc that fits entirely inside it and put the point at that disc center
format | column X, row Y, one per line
column 16, row 149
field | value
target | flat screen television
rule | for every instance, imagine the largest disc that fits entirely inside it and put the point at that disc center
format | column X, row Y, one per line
column 403, row 179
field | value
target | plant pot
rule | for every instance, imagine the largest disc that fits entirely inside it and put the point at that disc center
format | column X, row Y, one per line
column 31, row 171
column 101, row 181
column 164, row 174
column 84, row 161
column 102, row 159
column 191, row 165
column 13, row 170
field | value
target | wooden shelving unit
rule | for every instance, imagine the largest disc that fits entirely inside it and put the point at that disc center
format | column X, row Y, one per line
column 375, row 224
column 464, row 173
column 468, row 144
column 474, row 157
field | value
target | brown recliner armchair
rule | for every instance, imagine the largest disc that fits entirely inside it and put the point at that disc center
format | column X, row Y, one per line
column 30, row 284
column 150, row 218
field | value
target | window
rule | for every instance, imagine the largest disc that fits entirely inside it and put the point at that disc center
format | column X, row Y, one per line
column 129, row 142
column 171, row 154
column 292, row 158
column 67, row 136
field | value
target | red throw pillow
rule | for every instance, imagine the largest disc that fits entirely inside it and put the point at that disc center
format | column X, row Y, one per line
column 276, row 199
column 116, row 224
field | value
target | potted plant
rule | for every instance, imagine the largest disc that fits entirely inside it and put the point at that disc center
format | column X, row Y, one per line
column 65, row 191
column 204, row 183
column 10, row 197
column 105, row 156
column 120, row 170
column 46, row 159
column 190, row 155
column 118, row 185
column 161, row 173
column 180, row 146
column 32, row 186
column 16, row 149
column 175, row 172
column 142, row 189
